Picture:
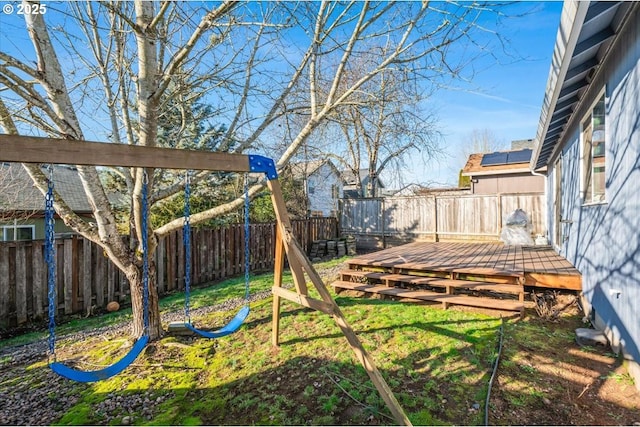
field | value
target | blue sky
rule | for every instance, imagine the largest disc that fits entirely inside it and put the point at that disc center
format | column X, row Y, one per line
column 505, row 98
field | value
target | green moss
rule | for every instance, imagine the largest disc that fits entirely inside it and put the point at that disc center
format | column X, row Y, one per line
column 80, row 414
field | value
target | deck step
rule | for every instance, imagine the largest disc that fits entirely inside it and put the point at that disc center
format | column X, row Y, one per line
column 471, row 301
column 389, row 279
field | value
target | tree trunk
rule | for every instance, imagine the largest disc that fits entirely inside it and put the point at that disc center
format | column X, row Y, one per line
column 135, row 276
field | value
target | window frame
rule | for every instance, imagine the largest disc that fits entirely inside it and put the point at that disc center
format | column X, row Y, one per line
column 587, row 176
column 14, row 228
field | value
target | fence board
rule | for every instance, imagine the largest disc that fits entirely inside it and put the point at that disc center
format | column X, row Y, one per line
column 84, row 273
column 180, row 259
column 100, row 277
column 21, row 283
column 70, row 268
column 160, row 263
column 4, row 284
column 112, row 277
column 171, row 257
column 437, row 217
column 39, row 283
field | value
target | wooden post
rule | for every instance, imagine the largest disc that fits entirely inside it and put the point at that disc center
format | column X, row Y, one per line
column 435, row 218
column 296, row 256
column 277, row 283
column 499, row 213
column 384, row 217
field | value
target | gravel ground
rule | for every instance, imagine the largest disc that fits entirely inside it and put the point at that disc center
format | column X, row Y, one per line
column 46, row 397
column 23, row 404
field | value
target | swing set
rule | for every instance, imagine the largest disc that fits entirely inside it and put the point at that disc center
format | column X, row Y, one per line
column 242, row 314
column 25, row 149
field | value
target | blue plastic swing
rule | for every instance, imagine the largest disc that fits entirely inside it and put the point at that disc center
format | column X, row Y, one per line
column 119, row 366
column 238, row 320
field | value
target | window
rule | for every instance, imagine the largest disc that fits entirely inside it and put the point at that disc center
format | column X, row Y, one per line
column 17, row 232
column 593, row 153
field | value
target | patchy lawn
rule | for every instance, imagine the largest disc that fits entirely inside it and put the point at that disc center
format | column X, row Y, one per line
column 438, row 363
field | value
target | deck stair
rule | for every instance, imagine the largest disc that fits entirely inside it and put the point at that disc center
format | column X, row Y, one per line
column 445, row 288
column 487, row 275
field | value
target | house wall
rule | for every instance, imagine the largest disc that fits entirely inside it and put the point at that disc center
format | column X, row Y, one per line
column 38, row 223
column 320, row 187
column 515, row 183
column 603, row 240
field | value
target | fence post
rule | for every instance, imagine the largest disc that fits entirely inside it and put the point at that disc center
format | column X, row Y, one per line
column 499, row 212
column 384, row 218
column 435, row 218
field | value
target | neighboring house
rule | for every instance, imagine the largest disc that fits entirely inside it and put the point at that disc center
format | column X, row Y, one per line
column 322, row 186
column 355, row 187
column 502, row 172
column 22, row 204
column 589, row 141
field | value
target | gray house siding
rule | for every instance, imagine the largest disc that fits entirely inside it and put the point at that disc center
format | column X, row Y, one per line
column 603, row 240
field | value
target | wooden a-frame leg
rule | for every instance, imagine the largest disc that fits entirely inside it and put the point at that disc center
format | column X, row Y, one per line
column 277, row 282
column 298, row 258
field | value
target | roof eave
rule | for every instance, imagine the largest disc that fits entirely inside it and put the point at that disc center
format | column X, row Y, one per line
column 571, row 20
column 523, row 169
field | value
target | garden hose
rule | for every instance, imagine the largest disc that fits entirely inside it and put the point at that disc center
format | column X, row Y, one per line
column 493, row 375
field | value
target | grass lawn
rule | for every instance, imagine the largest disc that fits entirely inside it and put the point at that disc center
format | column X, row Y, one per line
column 437, row 362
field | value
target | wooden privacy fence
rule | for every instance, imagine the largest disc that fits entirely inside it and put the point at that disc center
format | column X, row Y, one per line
column 84, row 270
column 393, row 220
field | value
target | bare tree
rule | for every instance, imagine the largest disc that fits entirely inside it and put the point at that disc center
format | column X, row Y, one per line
column 482, row 141
column 128, row 66
column 382, row 127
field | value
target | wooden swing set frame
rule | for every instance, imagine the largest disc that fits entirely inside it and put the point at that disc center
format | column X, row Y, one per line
column 25, row 149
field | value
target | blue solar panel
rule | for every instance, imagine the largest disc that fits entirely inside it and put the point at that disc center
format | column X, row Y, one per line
column 494, row 159
column 521, row 156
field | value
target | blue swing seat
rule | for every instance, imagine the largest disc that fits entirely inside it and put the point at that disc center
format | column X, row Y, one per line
column 101, row 374
column 231, row 327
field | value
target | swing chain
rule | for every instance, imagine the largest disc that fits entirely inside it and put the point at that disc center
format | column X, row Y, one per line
column 186, row 235
column 145, row 253
column 247, row 252
column 50, row 256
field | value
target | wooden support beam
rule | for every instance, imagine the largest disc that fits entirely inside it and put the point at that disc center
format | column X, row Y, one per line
column 303, row 300
column 295, row 252
column 27, row 149
column 277, row 282
column 556, row 281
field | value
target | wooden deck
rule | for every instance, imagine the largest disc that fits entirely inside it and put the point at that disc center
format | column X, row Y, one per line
column 471, row 274
column 537, row 266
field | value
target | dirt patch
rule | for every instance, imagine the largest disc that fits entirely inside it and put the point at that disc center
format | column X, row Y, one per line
column 560, row 382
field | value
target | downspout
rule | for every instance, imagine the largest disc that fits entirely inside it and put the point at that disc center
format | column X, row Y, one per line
column 546, row 202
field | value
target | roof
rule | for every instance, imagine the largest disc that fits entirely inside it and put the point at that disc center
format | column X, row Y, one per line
column 348, row 178
column 587, row 31
column 474, row 166
column 28, row 198
column 302, row 170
